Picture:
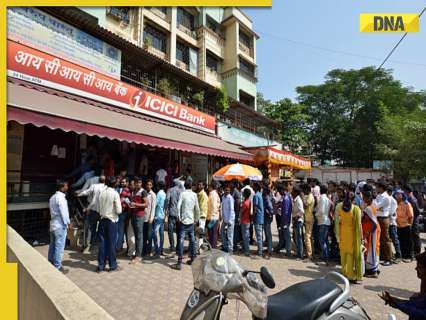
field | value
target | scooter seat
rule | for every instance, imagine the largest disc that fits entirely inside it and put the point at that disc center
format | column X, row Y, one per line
column 303, row 301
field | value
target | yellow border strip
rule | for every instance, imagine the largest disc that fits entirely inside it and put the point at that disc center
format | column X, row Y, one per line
column 8, row 272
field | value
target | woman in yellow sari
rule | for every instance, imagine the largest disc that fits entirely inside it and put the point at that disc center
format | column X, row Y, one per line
column 350, row 234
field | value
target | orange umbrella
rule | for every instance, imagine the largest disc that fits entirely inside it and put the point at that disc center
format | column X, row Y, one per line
column 237, row 171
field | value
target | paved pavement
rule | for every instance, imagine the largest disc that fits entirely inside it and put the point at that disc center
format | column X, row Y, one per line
column 152, row 290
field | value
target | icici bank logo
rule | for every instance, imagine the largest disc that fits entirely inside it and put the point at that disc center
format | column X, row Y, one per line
column 137, row 99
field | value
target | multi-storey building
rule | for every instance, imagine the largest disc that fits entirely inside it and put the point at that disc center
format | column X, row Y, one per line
column 216, row 45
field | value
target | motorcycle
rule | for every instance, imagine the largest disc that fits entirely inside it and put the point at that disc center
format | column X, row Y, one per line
column 218, row 278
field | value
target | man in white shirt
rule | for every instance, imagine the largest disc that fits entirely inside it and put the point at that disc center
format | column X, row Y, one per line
column 160, row 175
column 59, row 221
column 109, row 209
column 297, row 215
column 382, row 204
column 393, row 228
column 92, row 211
column 188, row 215
column 149, row 218
column 323, row 219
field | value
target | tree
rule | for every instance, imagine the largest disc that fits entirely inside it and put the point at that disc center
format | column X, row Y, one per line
column 262, row 103
column 294, row 121
column 346, row 112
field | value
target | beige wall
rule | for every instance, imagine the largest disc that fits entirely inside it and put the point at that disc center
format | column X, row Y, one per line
column 45, row 293
column 129, row 31
column 230, row 60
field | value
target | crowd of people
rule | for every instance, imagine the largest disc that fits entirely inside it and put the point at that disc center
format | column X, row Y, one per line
column 356, row 224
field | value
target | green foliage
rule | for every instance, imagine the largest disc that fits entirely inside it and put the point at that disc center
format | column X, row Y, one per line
column 347, row 110
column 355, row 117
column 222, row 100
column 294, row 120
column 166, row 87
column 147, row 43
column 198, row 98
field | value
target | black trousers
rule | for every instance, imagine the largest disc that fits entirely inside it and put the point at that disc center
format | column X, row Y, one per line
column 416, row 244
column 404, row 236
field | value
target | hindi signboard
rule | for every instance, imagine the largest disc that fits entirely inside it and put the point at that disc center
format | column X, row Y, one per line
column 38, row 30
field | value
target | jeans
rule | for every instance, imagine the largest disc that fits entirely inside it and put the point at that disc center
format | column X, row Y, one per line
column 138, row 223
column 268, row 235
column 393, row 233
column 323, row 240
column 227, row 232
column 57, row 246
column 245, row 232
column 158, row 228
column 237, row 234
column 107, row 244
column 186, row 229
column 172, row 221
column 285, row 240
column 298, row 232
column 258, row 229
column 385, row 241
column 90, row 225
column 121, row 230
column 147, row 239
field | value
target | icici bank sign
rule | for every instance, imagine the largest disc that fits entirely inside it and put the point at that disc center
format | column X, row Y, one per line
column 41, row 68
column 149, row 102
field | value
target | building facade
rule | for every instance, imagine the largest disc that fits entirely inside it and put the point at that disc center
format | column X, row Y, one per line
column 133, row 88
column 217, row 45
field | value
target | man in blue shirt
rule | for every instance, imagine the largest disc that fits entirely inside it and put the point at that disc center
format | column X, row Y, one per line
column 59, row 221
column 228, row 216
column 258, row 219
column 159, row 217
column 268, row 217
column 285, row 221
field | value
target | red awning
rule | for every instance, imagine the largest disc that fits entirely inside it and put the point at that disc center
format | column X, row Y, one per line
column 27, row 106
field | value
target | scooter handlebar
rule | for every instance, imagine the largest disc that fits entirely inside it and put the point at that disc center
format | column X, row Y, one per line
column 345, row 295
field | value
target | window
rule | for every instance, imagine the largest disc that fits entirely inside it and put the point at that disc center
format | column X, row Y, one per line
column 213, row 26
column 182, row 53
column 247, row 67
column 245, row 40
column 119, row 13
column 212, row 62
column 185, row 19
column 246, row 99
column 156, row 37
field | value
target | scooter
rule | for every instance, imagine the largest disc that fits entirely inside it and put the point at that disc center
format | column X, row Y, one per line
column 219, row 278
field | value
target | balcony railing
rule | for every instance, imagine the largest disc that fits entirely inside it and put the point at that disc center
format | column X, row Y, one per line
column 212, row 37
column 191, row 33
column 248, row 51
column 157, row 52
column 182, row 65
column 158, row 13
column 212, row 76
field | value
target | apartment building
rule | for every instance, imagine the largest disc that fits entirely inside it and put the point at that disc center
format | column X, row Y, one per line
column 216, row 45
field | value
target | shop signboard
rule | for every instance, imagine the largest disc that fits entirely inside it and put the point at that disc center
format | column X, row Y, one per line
column 38, row 30
column 41, row 68
column 243, row 138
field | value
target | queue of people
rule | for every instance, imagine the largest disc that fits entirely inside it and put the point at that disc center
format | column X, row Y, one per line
column 359, row 225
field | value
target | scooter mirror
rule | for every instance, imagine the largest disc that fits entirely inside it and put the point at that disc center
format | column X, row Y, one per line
column 267, row 278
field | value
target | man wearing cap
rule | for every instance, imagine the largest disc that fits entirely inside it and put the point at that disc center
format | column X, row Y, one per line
column 382, row 204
